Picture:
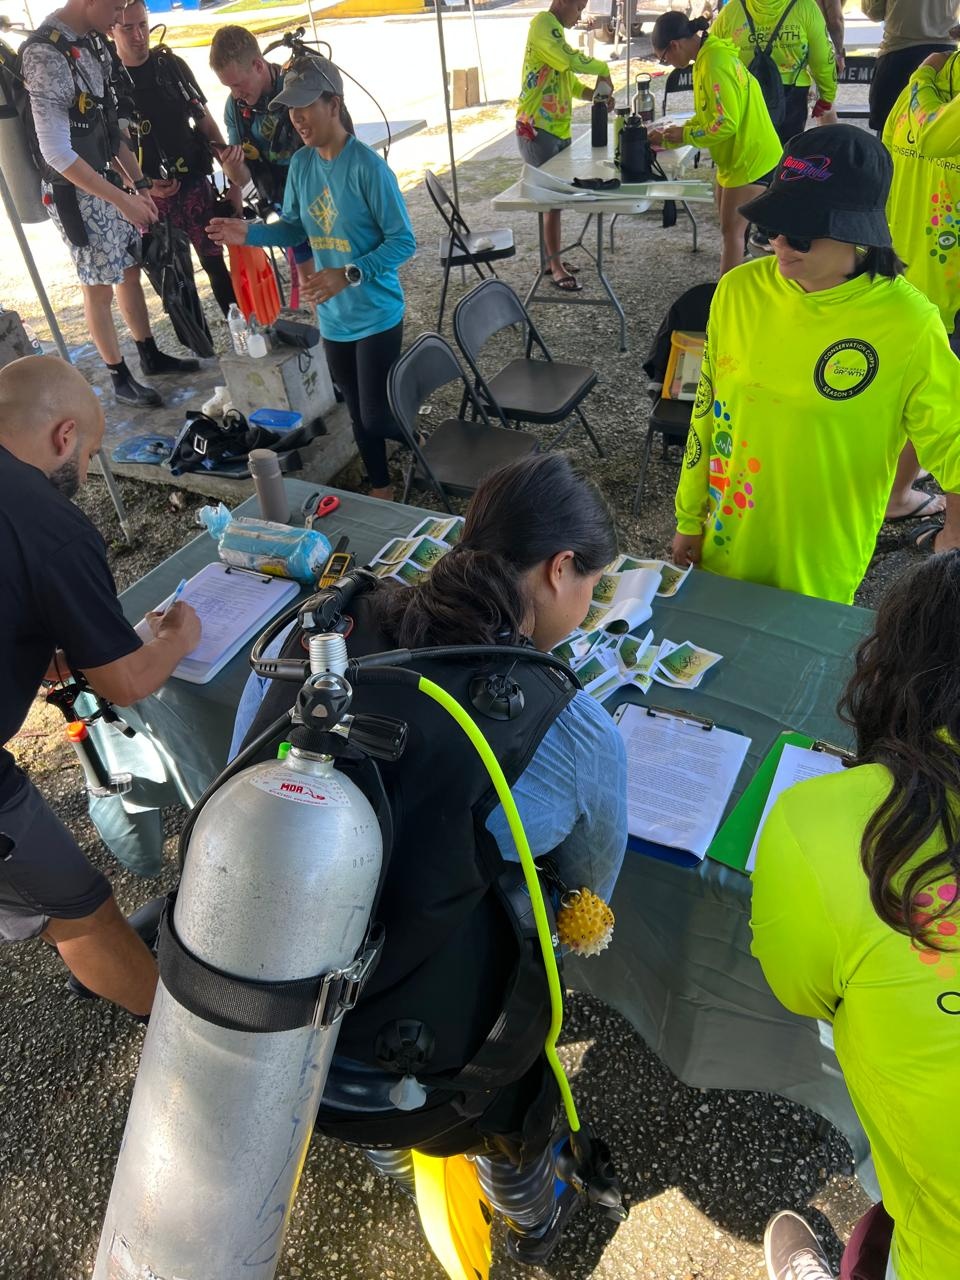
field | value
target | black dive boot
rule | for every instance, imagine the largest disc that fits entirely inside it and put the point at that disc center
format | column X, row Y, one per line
column 126, row 389
column 153, row 361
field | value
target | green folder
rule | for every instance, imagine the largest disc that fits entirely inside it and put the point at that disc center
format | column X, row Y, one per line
column 733, row 842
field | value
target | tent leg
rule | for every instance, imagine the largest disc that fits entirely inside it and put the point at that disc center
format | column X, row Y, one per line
column 438, row 4
column 58, row 339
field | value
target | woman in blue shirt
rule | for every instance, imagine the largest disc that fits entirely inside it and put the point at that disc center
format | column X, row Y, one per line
column 536, row 539
column 344, row 199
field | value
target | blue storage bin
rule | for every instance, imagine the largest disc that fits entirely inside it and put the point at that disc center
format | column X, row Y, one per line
column 276, row 419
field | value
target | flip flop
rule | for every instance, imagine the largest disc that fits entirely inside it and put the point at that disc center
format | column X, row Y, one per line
column 568, row 267
column 924, row 536
column 912, row 515
column 566, row 284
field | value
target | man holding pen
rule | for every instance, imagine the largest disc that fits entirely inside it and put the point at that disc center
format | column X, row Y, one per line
column 62, row 614
column 550, row 71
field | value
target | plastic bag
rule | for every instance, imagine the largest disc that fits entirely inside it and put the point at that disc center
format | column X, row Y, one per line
column 266, row 547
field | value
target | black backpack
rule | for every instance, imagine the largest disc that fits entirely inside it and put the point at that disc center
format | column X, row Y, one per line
column 765, row 71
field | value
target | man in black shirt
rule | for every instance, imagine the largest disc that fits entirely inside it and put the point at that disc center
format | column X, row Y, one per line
column 58, row 593
column 175, row 131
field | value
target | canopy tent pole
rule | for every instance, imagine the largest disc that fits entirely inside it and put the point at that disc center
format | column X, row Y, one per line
column 438, row 4
column 54, row 327
column 313, row 21
column 628, row 22
column 476, row 41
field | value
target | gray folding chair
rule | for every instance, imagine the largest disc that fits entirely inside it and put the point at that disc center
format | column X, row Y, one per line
column 463, row 247
column 457, row 454
column 541, row 390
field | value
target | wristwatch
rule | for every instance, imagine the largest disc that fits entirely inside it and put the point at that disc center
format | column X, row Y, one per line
column 143, row 184
column 354, row 274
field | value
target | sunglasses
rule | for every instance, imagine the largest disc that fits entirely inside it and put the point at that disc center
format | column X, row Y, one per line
column 800, row 244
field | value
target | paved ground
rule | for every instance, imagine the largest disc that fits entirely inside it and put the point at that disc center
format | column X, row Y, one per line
column 702, row 1170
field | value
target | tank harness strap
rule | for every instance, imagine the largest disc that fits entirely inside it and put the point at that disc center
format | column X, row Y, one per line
column 242, row 1004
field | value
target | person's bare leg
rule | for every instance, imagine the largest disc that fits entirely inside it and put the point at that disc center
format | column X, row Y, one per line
column 133, row 305
column 98, row 312
column 553, row 244
column 105, row 954
column 733, row 225
column 948, row 539
column 904, row 500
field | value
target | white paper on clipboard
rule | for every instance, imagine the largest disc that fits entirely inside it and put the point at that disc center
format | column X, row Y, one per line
column 680, row 775
column 233, row 607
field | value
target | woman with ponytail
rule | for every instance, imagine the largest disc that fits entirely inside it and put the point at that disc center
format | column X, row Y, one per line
column 536, row 539
column 856, row 915
column 730, row 120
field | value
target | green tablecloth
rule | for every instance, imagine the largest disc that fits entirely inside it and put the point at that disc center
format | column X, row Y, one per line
column 680, row 968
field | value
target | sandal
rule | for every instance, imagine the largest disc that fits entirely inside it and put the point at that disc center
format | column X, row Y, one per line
column 566, row 284
column 568, row 267
column 915, row 512
column 924, row 537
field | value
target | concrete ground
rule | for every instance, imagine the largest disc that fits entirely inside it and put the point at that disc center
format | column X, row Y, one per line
column 702, row 1170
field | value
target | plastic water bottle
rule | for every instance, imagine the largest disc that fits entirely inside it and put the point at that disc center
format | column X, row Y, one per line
column 238, row 329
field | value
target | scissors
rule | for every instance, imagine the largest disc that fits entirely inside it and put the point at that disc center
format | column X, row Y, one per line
column 315, row 507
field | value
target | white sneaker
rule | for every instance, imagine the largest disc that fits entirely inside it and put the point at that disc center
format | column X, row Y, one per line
column 791, row 1250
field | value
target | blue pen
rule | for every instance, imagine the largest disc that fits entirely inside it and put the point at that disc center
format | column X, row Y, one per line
column 176, row 595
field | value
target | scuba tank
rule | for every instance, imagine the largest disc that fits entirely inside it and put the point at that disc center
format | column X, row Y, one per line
column 16, row 157
column 267, row 946
column 643, row 103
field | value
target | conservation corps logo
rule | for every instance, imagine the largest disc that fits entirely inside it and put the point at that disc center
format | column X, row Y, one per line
column 703, row 403
column 846, row 369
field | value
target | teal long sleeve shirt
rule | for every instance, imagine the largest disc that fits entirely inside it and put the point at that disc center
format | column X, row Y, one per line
column 351, row 210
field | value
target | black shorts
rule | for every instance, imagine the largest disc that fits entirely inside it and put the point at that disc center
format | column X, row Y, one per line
column 43, row 872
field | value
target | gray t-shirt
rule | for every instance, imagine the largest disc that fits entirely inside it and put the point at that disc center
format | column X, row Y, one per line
column 909, row 22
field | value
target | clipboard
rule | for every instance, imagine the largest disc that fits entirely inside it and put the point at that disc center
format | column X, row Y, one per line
column 653, row 848
column 733, row 842
column 234, row 605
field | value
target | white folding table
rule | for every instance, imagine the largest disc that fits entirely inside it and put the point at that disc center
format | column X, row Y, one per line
column 580, row 160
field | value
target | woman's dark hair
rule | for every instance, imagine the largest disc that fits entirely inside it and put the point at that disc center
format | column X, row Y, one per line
column 903, row 702
column 674, row 25
column 878, row 262
column 520, row 516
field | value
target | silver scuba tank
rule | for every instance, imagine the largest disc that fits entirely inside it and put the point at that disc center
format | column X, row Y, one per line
column 279, row 884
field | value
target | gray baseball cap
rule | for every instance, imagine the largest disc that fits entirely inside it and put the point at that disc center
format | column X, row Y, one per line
column 305, row 80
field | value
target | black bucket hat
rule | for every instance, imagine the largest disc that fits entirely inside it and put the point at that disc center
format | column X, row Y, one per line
column 831, row 183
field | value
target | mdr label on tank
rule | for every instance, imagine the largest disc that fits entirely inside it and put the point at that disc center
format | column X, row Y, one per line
column 122, row 1266
column 304, row 788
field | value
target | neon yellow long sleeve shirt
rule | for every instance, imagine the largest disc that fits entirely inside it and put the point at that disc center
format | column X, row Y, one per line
column 804, row 404
column 922, row 134
column 730, row 118
column 802, row 50
column 550, row 70
column 895, row 1008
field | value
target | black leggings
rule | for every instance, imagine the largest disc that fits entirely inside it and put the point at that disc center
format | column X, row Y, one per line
column 794, row 111
column 360, row 371
column 892, row 75
column 218, row 273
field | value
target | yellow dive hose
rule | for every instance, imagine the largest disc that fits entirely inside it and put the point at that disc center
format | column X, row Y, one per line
column 502, row 787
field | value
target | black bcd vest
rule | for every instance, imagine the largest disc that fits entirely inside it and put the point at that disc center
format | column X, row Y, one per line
column 460, row 954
